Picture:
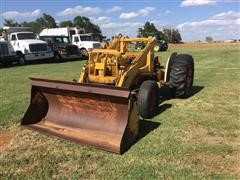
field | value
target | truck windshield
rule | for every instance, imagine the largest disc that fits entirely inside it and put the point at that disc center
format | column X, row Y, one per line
column 61, row 40
column 89, row 38
column 25, row 36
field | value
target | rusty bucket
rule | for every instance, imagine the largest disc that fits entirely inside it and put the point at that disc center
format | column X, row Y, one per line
column 96, row 115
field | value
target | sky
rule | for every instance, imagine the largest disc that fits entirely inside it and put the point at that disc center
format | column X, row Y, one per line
column 195, row 19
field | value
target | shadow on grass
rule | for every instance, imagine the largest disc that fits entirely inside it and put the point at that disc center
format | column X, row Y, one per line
column 195, row 90
column 161, row 109
column 146, row 127
column 166, row 94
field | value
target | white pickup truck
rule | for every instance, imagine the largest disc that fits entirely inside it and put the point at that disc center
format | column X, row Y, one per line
column 85, row 42
column 24, row 43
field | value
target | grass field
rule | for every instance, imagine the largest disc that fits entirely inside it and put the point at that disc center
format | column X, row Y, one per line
column 195, row 138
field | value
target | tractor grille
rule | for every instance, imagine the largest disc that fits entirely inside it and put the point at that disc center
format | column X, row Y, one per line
column 72, row 50
column 38, row 47
column 96, row 45
column 4, row 49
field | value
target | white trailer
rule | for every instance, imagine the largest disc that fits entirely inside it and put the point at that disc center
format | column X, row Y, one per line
column 25, row 44
column 64, row 31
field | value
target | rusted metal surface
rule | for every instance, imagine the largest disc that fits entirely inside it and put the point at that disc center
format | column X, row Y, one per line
column 94, row 115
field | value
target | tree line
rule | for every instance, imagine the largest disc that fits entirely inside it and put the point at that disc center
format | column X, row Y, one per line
column 47, row 21
column 168, row 34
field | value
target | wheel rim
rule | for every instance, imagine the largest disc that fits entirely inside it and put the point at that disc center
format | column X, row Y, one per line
column 156, row 48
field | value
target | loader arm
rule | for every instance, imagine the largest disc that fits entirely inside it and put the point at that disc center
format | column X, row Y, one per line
column 141, row 64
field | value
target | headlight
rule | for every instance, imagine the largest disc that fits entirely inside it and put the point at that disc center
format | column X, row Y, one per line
column 26, row 51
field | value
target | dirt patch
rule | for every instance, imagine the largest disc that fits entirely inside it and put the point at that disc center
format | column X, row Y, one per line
column 4, row 139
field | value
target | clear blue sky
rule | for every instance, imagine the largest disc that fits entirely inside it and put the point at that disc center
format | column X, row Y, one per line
column 195, row 19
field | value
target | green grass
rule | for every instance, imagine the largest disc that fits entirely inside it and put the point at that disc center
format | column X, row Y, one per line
column 195, row 138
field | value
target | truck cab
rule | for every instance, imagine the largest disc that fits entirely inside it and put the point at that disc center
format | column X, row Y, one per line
column 86, row 42
column 25, row 44
column 62, row 47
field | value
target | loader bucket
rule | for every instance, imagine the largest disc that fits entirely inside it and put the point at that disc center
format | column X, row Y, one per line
column 100, row 116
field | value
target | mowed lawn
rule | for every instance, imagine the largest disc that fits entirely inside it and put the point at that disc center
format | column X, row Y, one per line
column 194, row 138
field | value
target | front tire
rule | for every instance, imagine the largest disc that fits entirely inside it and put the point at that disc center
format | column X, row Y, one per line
column 58, row 58
column 84, row 53
column 165, row 48
column 148, row 98
column 21, row 60
column 181, row 75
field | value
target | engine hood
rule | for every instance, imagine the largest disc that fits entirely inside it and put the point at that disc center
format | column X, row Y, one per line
column 31, row 41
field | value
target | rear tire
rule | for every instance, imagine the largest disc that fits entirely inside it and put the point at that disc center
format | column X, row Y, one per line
column 165, row 48
column 181, row 75
column 148, row 99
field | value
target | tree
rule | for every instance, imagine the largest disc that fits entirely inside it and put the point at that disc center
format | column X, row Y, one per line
column 84, row 22
column 172, row 35
column 66, row 24
column 35, row 27
column 209, row 39
column 11, row 23
column 176, row 36
column 46, row 21
column 149, row 29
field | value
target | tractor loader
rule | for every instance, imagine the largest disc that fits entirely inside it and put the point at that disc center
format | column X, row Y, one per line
column 116, row 87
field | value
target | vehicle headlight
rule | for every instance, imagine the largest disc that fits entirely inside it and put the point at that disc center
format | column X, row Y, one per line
column 26, row 51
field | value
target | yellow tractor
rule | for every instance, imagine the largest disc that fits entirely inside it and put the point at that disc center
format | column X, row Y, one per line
column 116, row 87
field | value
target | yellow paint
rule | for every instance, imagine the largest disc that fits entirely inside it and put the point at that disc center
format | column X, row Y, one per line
column 117, row 65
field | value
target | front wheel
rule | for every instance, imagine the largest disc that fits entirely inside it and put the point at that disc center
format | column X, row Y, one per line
column 148, row 98
column 58, row 58
column 22, row 60
column 164, row 48
column 84, row 53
